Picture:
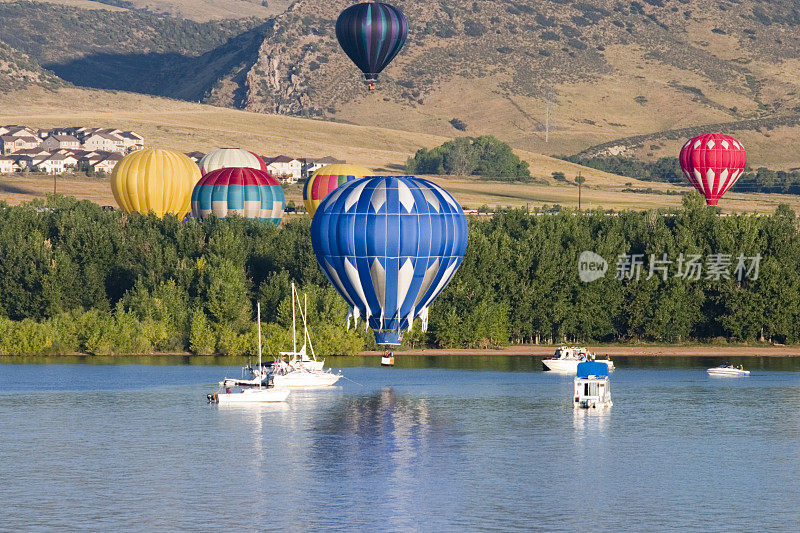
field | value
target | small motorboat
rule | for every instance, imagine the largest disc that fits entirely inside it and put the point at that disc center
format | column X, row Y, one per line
column 728, row 370
column 387, row 359
column 566, row 359
column 592, row 386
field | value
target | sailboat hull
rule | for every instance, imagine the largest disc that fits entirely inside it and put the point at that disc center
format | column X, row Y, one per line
column 299, row 379
column 250, row 396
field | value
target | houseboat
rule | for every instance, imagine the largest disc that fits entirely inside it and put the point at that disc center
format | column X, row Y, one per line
column 592, row 386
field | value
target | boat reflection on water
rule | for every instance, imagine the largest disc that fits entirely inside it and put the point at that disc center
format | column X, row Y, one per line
column 404, row 420
column 590, row 423
column 385, row 439
column 383, row 431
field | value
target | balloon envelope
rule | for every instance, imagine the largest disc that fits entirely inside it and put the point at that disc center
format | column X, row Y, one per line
column 371, row 34
column 249, row 192
column 155, row 180
column 389, row 245
column 712, row 163
column 326, row 179
column 230, row 157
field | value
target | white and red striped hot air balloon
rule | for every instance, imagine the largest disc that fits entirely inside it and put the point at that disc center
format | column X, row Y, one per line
column 712, row 163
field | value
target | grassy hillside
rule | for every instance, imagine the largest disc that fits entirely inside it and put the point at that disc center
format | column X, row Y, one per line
column 185, row 126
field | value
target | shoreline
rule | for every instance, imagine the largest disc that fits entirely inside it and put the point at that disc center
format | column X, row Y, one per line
column 516, row 350
column 621, row 351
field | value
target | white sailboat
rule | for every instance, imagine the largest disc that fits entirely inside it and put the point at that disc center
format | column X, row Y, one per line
column 249, row 391
column 301, row 370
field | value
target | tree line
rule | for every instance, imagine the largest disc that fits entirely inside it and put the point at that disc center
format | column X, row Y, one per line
column 75, row 278
column 668, row 169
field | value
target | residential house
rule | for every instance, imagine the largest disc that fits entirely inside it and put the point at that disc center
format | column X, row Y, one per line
column 58, row 142
column 131, row 141
column 56, row 163
column 6, row 164
column 106, row 164
column 10, row 144
column 285, row 168
column 311, row 164
column 195, row 156
column 17, row 131
column 103, row 141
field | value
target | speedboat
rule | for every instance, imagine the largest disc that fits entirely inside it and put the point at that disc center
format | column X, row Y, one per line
column 728, row 370
column 592, row 386
column 566, row 359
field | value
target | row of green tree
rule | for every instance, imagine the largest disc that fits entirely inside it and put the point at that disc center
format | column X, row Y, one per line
column 75, row 278
column 668, row 169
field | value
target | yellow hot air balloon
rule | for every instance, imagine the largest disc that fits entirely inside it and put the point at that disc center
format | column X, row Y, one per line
column 155, row 180
column 324, row 180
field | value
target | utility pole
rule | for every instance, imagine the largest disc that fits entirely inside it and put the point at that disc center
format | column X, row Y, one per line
column 579, row 180
column 547, row 122
column 54, row 182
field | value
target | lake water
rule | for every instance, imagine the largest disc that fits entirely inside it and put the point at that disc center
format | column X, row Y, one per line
column 435, row 444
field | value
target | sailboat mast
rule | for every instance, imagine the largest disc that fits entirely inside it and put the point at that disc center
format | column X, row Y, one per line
column 305, row 318
column 294, row 334
column 258, row 314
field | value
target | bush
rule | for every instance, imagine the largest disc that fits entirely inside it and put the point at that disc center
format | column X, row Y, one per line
column 474, row 28
column 460, row 125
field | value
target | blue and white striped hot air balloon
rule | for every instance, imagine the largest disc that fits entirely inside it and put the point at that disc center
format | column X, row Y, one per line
column 389, row 245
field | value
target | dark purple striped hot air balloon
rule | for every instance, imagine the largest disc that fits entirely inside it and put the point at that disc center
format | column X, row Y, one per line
column 371, row 34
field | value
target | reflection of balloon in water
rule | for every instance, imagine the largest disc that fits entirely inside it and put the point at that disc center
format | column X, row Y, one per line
column 389, row 245
column 155, row 180
column 230, row 157
column 712, row 163
column 250, row 193
column 326, row 179
column 371, row 34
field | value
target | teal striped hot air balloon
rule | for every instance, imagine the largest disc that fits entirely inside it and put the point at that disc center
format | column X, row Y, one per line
column 247, row 192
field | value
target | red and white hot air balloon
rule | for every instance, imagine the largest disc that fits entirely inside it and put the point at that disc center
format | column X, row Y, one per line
column 712, row 163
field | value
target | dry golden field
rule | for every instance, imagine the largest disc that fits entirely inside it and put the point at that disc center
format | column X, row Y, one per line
column 187, row 127
column 470, row 192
